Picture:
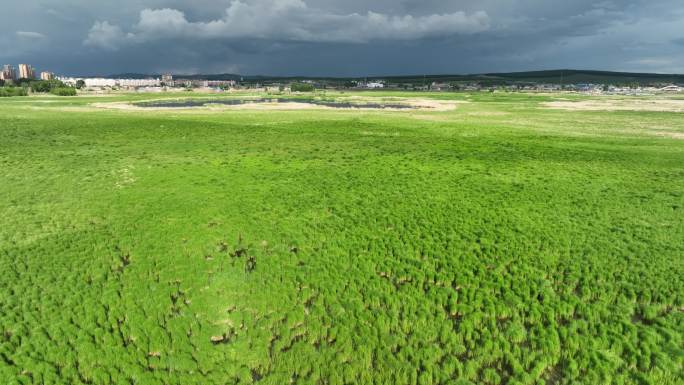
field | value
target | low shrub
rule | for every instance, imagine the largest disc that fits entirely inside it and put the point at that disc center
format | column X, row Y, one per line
column 64, row 91
column 302, row 87
column 13, row 91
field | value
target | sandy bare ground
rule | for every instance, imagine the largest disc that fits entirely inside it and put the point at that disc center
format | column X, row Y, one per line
column 658, row 105
column 672, row 135
column 418, row 104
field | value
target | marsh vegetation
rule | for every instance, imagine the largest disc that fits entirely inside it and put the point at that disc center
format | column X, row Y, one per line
column 502, row 242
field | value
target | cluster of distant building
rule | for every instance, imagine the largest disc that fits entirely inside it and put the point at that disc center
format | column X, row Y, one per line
column 475, row 86
column 149, row 85
column 587, row 88
column 167, row 81
column 25, row 71
column 372, row 85
column 600, row 89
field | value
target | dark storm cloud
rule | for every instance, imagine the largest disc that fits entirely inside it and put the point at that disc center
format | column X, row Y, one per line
column 351, row 37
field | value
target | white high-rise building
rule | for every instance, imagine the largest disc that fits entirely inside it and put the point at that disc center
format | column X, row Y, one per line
column 8, row 72
column 26, row 71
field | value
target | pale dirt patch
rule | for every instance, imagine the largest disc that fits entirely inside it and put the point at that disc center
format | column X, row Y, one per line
column 488, row 113
column 435, row 105
column 428, row 104
column 122, row 106
column 653, row 132
column 125, row 106
column 379, row 133
column 418, row 104
column 656, row 105
column 672, row 135
column 263, row 106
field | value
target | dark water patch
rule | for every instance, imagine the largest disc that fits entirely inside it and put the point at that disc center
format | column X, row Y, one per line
column 234, row 102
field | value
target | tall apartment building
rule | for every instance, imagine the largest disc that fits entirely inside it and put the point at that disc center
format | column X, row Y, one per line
column 8, row 73
column 47, row 75
column 26, row 71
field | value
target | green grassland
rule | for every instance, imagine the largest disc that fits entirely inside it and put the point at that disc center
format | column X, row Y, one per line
column 498, row 243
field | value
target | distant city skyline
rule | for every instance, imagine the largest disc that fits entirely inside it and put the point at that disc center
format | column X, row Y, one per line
column 24, row 71
column 27, row 71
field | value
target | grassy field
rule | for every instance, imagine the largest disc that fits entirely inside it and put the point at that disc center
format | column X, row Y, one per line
column 499, row 243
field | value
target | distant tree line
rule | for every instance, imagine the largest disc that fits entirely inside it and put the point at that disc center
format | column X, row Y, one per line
column 302, row 87
column 22, row 86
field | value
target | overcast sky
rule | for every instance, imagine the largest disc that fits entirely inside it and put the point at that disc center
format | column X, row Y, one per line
column 342, row 37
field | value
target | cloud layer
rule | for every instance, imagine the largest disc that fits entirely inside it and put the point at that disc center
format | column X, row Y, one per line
column 342, row 37
column 287, row 21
